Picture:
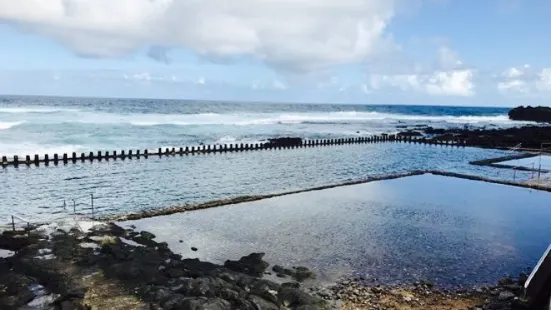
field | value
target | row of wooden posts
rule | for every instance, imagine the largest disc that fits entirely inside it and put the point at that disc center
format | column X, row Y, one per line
column 74, row 157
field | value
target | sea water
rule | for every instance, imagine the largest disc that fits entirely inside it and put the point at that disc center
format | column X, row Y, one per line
column 30, row 125
column 40, row 125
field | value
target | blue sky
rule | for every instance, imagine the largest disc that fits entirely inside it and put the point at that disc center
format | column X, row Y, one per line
column 450, row 52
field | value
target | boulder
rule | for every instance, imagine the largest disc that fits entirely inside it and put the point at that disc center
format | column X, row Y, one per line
column 534, row 114
column 303, row 273
column 294, row 297
column 262, row 304
column 252, row 265
column 16, row 240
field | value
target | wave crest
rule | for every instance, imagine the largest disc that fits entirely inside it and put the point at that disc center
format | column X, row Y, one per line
column 8, row 125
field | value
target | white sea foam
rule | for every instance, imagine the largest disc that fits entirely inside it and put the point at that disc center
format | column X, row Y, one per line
column 247, row 119
column 8, row 125
column 26, row 148
column 23, row 110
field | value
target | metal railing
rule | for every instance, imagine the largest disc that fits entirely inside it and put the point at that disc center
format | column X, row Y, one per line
column 86, row 206
column 12, row 219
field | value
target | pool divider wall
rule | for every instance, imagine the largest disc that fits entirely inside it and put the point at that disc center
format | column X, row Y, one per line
column 202, row 149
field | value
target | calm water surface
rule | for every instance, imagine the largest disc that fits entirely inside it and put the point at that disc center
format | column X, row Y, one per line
column 448, row 230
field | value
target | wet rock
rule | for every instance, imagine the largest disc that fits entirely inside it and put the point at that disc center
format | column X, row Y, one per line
column 262, row 304
column 294, row 297
column 303, row 273
column 285, row 142
column 506, row 295
column 17, row 240
column 216, row 304
column 506, row 281
column 410, row 133
column 266, row 289
column 252, row 265
column 281, row 270
column 15, row 290
column 194, row 249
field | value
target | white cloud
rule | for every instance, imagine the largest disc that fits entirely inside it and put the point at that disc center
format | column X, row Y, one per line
column 525, row 81
column 148, row 77
column 279, row 85
column 201, row 81
column 294, row 35
column 438, row 83
column 448, row 59
column 448, row 77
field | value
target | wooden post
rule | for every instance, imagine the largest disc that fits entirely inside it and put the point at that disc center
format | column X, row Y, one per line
column 107, row 155
column 160, row 152
column 138, row 153
column 56, row 159
column 16, row 160
column 187, row 149
column 123, row 154
column 145, row 153
column 193, row 149
column 37, row 159
column 241, row 147
column 4, row 161
column 91, row 156
column 130, row 154
column 82, row 157
column 74, row 157
column 65, row 158
column 115, row 155
column 13, row 223
column 28, row 160
column 99, row 155
column 181, row 152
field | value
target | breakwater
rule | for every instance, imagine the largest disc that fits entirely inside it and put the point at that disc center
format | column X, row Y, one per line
column 66, row 158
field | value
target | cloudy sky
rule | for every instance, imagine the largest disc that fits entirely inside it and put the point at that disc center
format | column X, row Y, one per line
column 452, row 52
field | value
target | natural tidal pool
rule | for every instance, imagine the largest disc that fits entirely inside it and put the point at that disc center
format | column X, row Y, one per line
column 448, row 230
column 129, row 186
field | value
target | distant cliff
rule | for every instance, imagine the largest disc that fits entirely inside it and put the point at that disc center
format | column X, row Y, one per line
column 537, row 114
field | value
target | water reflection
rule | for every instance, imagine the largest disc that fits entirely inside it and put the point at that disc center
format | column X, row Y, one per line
column 451, row 231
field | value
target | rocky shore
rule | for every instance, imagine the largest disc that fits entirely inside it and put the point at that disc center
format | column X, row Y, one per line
column 112, row 268
column 108, row 267
column 529, row 137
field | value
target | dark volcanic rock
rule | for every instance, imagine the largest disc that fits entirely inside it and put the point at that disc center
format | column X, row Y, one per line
column 284, row 142
column 252, row 265
column 537, row 114
column 299, row 273
column 528, row 136
column 16, row 240
column 410, row 134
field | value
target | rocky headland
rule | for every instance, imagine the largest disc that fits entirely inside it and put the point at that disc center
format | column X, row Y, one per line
column 533, row 114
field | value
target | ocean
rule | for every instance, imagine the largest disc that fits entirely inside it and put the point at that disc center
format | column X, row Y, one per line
column 391, row 229
column 40, row 125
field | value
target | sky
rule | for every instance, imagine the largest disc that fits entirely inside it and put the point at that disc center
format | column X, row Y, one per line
column 443, row 52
